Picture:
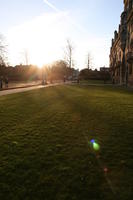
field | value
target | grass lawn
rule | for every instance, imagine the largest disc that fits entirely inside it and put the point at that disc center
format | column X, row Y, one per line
column 95, row 82
column 44, row 149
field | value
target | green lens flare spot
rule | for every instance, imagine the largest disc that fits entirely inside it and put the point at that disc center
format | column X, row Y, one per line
column 96, row 146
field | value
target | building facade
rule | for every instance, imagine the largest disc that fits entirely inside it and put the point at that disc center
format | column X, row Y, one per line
column 121, row 52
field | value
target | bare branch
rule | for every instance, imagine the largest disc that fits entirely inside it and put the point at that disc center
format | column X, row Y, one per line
column 3, row 50
column 89, row 61
column 69, row 53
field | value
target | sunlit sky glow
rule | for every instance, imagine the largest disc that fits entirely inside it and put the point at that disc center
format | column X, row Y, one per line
column 41, row 28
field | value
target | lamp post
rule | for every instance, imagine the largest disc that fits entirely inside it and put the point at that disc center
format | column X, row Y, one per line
column 42, row 76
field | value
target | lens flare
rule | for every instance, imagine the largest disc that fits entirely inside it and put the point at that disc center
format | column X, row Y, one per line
column 105, row 169
column 92, row 141
column 94, row 145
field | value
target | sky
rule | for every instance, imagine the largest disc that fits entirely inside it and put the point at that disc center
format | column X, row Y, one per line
column 40, row 28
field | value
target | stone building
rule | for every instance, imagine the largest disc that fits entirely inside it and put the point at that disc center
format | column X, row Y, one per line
column 121, row 52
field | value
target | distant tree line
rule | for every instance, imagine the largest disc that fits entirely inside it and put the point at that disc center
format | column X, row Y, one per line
column 20, row 72
column 58, row 70
column 89, row 74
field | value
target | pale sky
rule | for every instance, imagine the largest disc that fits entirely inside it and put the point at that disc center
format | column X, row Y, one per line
column 41, row 28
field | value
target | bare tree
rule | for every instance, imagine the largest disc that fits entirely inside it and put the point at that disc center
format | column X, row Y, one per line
column 89, row 60
column 69, row 53
column 3, row 51
column 25, row 56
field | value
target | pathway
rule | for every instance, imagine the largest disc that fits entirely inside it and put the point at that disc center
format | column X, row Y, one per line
column 18, row 90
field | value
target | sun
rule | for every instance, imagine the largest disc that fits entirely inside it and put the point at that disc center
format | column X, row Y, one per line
column 43, row 37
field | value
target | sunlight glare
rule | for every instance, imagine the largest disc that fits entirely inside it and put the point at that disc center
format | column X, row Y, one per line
column 44, row 38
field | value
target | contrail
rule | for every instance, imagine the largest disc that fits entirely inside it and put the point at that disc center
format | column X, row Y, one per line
column 51, row 6
column 78, row 26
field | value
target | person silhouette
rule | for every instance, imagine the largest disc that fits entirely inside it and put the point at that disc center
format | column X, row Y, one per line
column 6, row 82
column 1, row 82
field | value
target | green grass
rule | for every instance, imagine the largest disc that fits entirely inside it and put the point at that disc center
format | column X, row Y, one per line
column 94, row 82
column 44, row 150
